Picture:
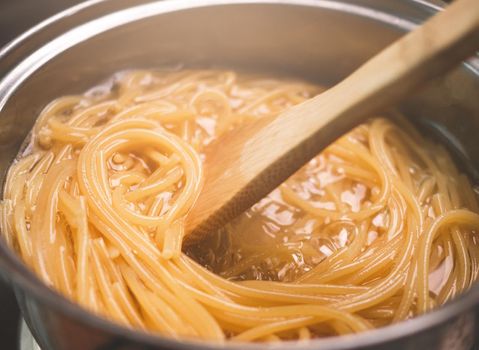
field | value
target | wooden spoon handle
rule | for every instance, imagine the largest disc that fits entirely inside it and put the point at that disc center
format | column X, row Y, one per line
column 246, row 164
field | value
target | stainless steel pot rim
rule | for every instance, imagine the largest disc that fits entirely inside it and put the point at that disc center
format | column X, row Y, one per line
column 22, row 277
column 85, row 31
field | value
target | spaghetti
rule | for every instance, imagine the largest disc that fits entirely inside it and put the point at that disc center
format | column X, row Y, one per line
column 378, row 228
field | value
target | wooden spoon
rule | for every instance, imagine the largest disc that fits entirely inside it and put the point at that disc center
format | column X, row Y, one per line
column 247, row 163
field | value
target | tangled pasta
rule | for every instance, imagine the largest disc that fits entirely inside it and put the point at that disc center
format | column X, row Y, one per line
column 378, row 228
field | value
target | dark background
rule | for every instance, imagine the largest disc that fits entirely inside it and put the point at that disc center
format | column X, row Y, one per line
column 16, row 16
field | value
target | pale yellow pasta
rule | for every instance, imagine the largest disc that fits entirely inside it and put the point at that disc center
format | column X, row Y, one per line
column 378, row 228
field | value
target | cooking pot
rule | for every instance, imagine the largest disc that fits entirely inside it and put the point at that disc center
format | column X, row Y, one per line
column 317, row 40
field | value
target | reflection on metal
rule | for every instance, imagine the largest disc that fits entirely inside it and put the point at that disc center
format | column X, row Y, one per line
column 27, row 342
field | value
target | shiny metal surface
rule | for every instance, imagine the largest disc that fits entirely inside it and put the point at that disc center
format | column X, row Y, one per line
column 318, row 40
column 26, row 340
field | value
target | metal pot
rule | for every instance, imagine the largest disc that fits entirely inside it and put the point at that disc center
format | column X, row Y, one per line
column 318, row 40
